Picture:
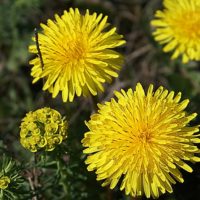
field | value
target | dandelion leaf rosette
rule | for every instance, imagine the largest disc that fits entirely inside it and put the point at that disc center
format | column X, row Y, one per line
column 77, row 54
column 143, row 140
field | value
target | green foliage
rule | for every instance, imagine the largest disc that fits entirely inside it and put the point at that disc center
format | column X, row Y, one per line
column 15, row 18
column 17, row 188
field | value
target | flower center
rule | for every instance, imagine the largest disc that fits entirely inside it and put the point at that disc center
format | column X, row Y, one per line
column 187, row 24
column 144, row 136
column 75, row 50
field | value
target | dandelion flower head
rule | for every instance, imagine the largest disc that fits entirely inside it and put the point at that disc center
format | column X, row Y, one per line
column 43, row 129
column 177, row 26
column 141, row 140
column 77, row 53
column 4, row 182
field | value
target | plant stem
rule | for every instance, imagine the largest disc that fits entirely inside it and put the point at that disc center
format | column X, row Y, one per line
column 35, row 177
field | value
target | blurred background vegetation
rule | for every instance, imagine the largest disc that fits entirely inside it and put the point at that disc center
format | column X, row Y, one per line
column 144, row 62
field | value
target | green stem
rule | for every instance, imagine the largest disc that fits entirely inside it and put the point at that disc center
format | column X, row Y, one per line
column 35, row 177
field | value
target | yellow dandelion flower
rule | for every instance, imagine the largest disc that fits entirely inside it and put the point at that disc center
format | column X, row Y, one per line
column 4, row 182
column 177, row 26
column 77, row 53
column 43, row 129
column 142, row 140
